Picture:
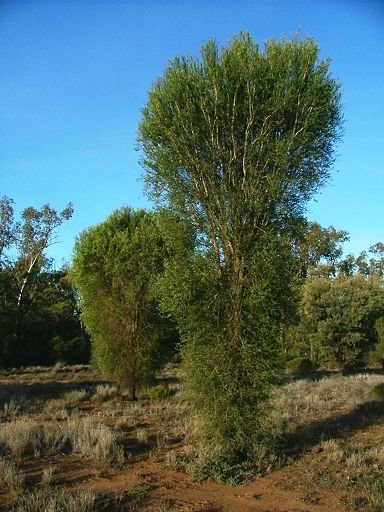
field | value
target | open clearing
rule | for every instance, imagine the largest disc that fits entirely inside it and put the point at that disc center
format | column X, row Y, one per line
column 70, row 442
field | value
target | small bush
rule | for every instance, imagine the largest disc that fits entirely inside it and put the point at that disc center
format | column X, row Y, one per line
column 159, row 392
column 221, row 470
column 301, row 366
column 378, row 392
column 233, row 470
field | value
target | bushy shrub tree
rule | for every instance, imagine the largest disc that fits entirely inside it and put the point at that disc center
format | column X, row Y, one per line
column 235, row 143
column 114, row 266
column 338, row 319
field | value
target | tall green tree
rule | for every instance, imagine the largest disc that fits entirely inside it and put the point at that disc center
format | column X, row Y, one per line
column 236, row 142
column 317, row 252
column 318, row 249
column 367, row 263
column 51, row 328
column 114, row 267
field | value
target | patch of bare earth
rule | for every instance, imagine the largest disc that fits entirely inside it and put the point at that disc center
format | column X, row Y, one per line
column 85, row 436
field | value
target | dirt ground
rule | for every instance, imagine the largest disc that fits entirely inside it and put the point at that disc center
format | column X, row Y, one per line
column 272, row 493
column 165, row 489
column 307, row 481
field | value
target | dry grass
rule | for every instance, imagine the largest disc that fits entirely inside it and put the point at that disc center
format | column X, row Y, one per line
column 329, row 437
column 69, row 400
column 11, row 479
column 58, row 500
column 26, row 438
column 303, row 401
column 95, row 440
column 105, row 392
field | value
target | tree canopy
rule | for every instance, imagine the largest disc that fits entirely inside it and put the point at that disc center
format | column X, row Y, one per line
column 241, row 138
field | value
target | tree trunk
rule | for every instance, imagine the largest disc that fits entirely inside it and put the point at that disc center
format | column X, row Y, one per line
column 131, row 389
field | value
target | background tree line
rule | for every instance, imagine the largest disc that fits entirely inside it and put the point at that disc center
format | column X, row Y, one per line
column 339, row 304
column 39, row 315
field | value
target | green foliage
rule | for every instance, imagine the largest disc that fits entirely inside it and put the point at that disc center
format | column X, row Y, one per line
column 338, row 319
column 234, row 144
column 114, row 267
column 8, row 228
column 39, row 321
column 222, row 470
column 159, row 392
column 301, row 366
column 364, row 264
column 318, row 249
column 229, row 374
column 51, row 329
column 378, row 392
column 376, row 356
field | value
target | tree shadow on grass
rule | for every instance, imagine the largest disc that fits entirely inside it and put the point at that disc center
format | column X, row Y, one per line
column 308, row 436
column 46, row 390
column 318, row 375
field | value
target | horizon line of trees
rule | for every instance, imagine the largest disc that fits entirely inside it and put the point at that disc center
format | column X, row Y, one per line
column 336, row 319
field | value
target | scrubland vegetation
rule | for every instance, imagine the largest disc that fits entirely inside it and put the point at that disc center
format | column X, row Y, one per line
column 268, row 321
column 68, row 440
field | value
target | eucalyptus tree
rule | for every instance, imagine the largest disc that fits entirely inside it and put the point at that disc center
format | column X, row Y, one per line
column 319, row 249
column 36, row 232
column 236, row 142
column 114, row 267
column 22, row 259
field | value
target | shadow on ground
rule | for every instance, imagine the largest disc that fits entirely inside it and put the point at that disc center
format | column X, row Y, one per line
column 306, row 437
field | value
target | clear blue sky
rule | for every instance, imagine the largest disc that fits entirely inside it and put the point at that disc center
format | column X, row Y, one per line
column 74, row 75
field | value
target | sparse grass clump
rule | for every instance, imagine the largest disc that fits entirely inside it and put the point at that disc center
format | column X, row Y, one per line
column 26, row 438
column 11, row 408
column 67, row 402
column 105, row 392
column 94, row 440
column 22, row 438
column 57, row 500
column 11, row 479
